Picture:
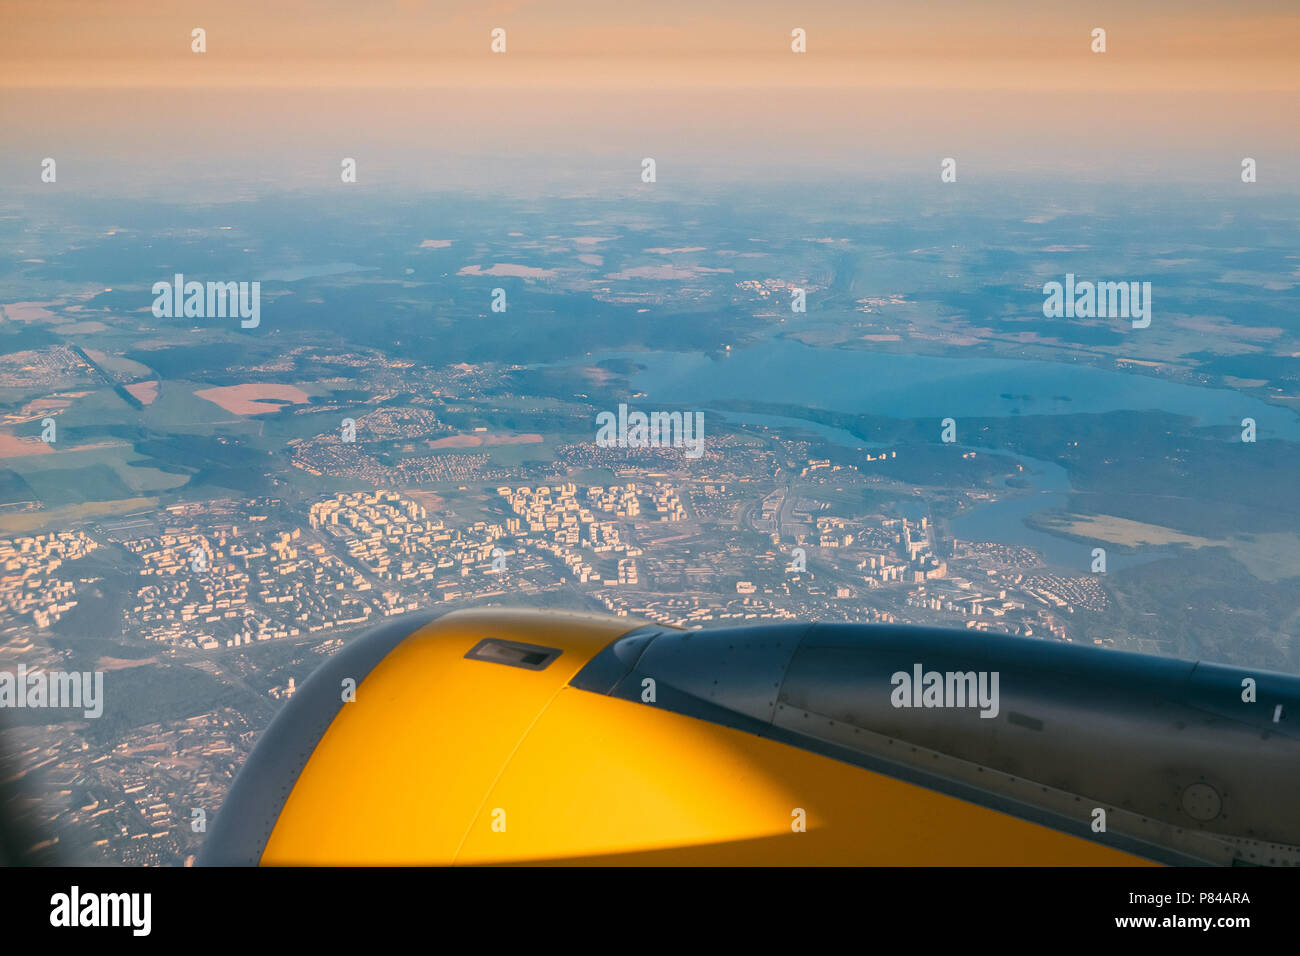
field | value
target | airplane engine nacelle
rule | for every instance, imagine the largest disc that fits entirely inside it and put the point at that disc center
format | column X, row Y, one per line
column 501, row 736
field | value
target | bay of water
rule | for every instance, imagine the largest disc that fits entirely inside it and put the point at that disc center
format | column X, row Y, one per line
column 919, row 386
column 297, row 273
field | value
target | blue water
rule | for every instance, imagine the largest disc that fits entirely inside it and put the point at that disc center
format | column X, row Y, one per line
column 920, row 386
column 297, row 273
column 1002, row 521
column 838, row 436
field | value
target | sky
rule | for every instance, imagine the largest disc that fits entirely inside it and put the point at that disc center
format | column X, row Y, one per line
column 1184, row 89
column 1009, row 44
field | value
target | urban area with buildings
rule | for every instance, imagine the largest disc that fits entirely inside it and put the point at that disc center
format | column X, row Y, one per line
column 204, row 583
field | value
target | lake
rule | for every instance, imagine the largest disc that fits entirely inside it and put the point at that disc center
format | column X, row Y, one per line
column 919, row 386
